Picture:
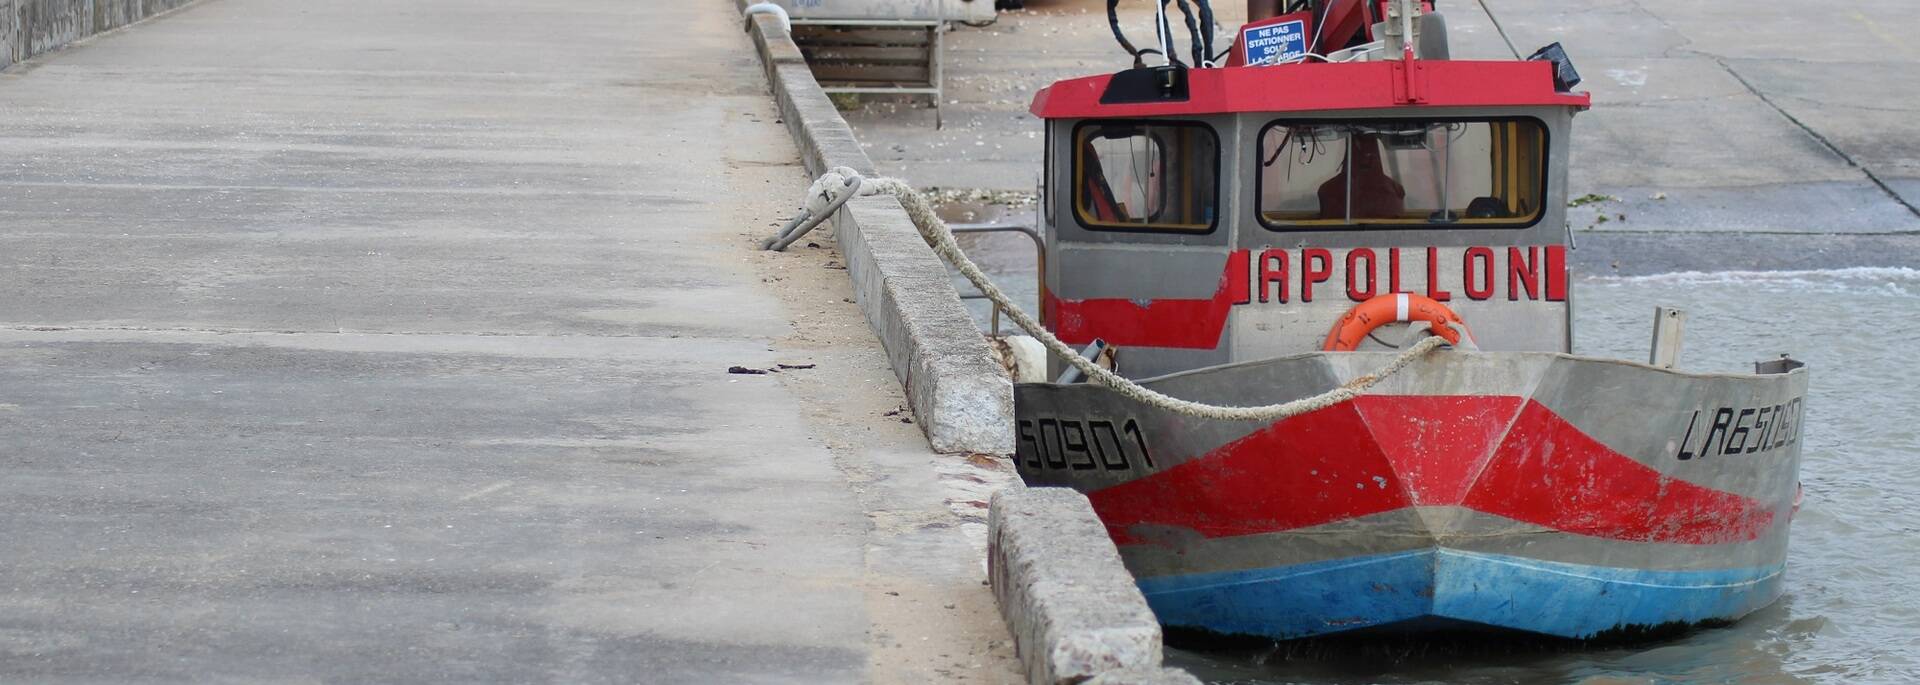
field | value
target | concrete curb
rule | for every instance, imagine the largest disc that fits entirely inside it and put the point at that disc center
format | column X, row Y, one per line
column 1145, row 676
column 1073, row 608
column 963, row 399
column 1075, row 612
column 29, row 28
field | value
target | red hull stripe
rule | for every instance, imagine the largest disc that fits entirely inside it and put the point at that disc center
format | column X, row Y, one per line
column 1306, row 471
column 1382, row 453
column 1549, row 473
column 1437, row 459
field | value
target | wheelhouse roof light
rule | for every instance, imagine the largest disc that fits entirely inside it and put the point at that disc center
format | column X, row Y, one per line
column 1565, row 77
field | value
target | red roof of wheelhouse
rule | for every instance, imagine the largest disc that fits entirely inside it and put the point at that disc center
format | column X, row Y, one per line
column 1311, row 87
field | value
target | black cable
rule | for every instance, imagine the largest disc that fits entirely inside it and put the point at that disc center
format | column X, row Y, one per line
column 1206, row 27
column 1113, row 20
column 1193, row 34
column 1276, row 151
column 1310, row 145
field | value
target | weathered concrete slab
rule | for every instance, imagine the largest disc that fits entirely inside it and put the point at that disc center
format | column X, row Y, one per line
column 1670, row 115
column 1767, row 174
column 1074, row 610
column 112, row 14
column 46, row 25
column 1905, row 183
column 1849, row 104
column 365, row 341
column 1623, row 253
column 1829, row 208
column 1599, row 29
column 10, row 48
column 189, row 506
column 1145, row 676
column 153, row 7
column 34, row 27
column 1785, row 31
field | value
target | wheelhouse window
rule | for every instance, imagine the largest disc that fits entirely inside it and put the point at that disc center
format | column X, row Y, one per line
column 1157, row 176
column 1402, row 174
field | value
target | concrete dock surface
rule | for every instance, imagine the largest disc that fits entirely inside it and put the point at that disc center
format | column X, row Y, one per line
column 370, row 341
column 1724, row 134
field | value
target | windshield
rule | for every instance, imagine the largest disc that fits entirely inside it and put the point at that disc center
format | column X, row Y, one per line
column 1156, row 176
column 1400, row 173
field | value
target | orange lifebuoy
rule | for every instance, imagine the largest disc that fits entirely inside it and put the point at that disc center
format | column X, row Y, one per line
column 1381, row 310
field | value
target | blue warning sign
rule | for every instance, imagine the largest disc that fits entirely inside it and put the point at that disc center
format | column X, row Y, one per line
column 1282, row 42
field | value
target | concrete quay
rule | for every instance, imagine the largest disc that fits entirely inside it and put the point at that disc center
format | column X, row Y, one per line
column 364, row 341
column 1724, row 135
column 1073, row 609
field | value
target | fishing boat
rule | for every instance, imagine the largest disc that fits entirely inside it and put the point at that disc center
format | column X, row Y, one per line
column 1270, row 223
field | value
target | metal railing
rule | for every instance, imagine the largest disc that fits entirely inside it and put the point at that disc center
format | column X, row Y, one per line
column 1039, row 259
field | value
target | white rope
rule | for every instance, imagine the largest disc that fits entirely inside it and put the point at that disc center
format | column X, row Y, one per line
column 940, row 238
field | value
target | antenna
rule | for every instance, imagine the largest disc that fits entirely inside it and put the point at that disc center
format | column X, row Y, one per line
column 1497, row 27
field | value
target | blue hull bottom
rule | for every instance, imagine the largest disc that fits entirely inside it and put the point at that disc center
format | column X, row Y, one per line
column 1565, row 600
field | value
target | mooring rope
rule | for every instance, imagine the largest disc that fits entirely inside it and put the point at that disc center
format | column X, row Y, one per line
column 933, row 230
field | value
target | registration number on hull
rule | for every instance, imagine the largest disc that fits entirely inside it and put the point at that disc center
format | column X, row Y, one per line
column 1050, row 443
column 1730, row 431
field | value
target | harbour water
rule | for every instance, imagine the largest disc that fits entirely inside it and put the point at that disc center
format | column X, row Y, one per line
column 1849, row 614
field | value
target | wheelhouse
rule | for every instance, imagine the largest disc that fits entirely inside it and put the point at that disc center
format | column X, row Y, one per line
column 1195, row 217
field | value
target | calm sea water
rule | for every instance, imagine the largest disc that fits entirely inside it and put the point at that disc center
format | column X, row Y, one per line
column 1851, row 613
